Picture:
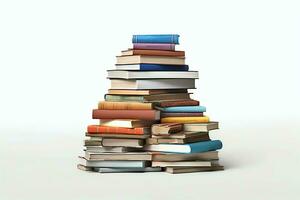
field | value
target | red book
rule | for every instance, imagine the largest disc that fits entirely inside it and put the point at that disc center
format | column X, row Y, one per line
column 126, row 114
column 96, row 129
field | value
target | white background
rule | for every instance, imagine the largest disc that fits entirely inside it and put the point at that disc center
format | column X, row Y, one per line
column 53, row 60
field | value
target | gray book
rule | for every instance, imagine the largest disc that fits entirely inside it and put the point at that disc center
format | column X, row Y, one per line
column 112, row 163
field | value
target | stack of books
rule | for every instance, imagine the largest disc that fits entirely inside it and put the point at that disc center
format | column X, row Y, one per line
column 148, row 120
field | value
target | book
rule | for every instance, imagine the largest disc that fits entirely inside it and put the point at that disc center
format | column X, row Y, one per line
column 126, row 123
column 191, row 139
column 101, row 149
column 186, row 109
column 123, row 142
column 107, row 105
column 145, row 92
column 181, row 135
column 90, row 142
column 189, row 102
column 196, row 147
column 201, row 127
column 178, row 170
column 113, row 163
column 152, row 67
column 137, row 59
column 121, row 74
column 127, row 170
column 169, row 157
column 166, row 129
column 149, row 52
column 185, row 120
column 147, row 98
column 153, row 84
column 156, row 38
column 117, row 130
column 118, row 156
column 182, row 164
column 126, row 114
column 117, row 135
column 175, row 114
column 154, row 46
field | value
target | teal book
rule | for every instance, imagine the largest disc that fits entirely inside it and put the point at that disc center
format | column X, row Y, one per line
column 183, row 109
column 156, row 38
column 196, row 147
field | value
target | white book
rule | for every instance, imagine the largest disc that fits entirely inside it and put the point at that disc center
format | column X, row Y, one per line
column 164, row 60
column 151, row 74
column 126, row 123
column 124, row 170
column 183, row 164
column 112, row 163
column 153, row 84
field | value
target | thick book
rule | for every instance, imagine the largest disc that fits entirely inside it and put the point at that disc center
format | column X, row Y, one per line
column 166, row 129
column 145, row 92
column 126, row 114
column 196, row 147
column 192, row 139
column 185, row 120
column 175, row 114
column 153, row 67
column 179, row 170
column 156, row 38
column 101, row 149
column 154, row 46
column 117, row 135
column 108, row 105
column 118, row 130
column 190, row 102
column 118, row 156
column 137, row 59
column 113, row 163
column 149, row 52
column 182, row 164
column 153, row 84
column 147, row 98
column 173, row 157
column 123, row 142
column 201, row 127
column 127, row 170
column 126, row 123
column 120, row 74
column 186, row 109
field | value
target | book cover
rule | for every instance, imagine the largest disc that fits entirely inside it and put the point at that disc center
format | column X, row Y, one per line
column 149, row 52
column 145, row 92
column 154, row 46
column 137, row 59
column 126, row 114
column 153, row 67
column 119, row 130
column 182, row 109
column 156, row 38
column 185, row 119
column 190, row 102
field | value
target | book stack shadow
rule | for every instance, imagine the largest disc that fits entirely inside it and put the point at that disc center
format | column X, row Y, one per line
column 148, row 120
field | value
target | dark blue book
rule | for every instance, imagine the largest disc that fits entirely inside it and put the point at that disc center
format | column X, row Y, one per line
column 153, row 67
column 159, row 38
column 196, row 147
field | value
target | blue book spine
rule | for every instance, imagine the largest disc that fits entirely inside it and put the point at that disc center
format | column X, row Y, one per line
column 157, row 67
column 163, row 38
column 190, row 109
column 199, row 147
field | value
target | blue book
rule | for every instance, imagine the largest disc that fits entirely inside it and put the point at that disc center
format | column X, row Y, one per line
column 159, row 38
column 184, row 109
column 153, row 67
column 196, row 147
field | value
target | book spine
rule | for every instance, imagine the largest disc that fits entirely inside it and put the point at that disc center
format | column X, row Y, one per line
column 158, row 53
column 166, row 114
column 179, row 103
column 105, row 105
column 125, row 114
column 168, row 38
column 157, row 67
column 170, row 47
column 117, row 98
column 113, row 130
column 184, row 119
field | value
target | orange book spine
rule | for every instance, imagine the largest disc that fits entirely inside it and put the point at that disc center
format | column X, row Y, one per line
column 114, row 130
column 106, row 105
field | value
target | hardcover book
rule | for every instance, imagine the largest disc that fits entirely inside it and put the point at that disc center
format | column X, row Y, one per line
column 149, row 52
column 186, row 109
column 137, row 59
column 201, row 127
column 126, row 114
column 147, row 98
column 166, row 129
column 154, row 46
column 151, row 75
column 189, row 102
column 118, row 156
column 108, row 105
column 117, row 130
column 185, row 120
column 178, row 170
column 126, row 123
column 145, row 92
column 123, row 142
column 173, row 157
column 113, row 163
column 175, row 114
column 156, row 38
column 152, row 67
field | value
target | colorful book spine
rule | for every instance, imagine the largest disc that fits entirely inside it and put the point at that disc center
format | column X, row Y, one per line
column 126, row 114
column 184, row 120
column 199, row 147
column 96, row 129
column 184, row 109
column 152, row 46
column 156, row 38
column 179, row 103
column 158, row 67
column 148, row 52
column 107, row 105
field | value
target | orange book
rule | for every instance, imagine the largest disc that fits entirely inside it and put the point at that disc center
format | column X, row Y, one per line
column 110, row 105
column 96, row 129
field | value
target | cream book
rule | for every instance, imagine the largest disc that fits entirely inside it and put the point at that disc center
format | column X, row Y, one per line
column 151, row 74
column 137, row 59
